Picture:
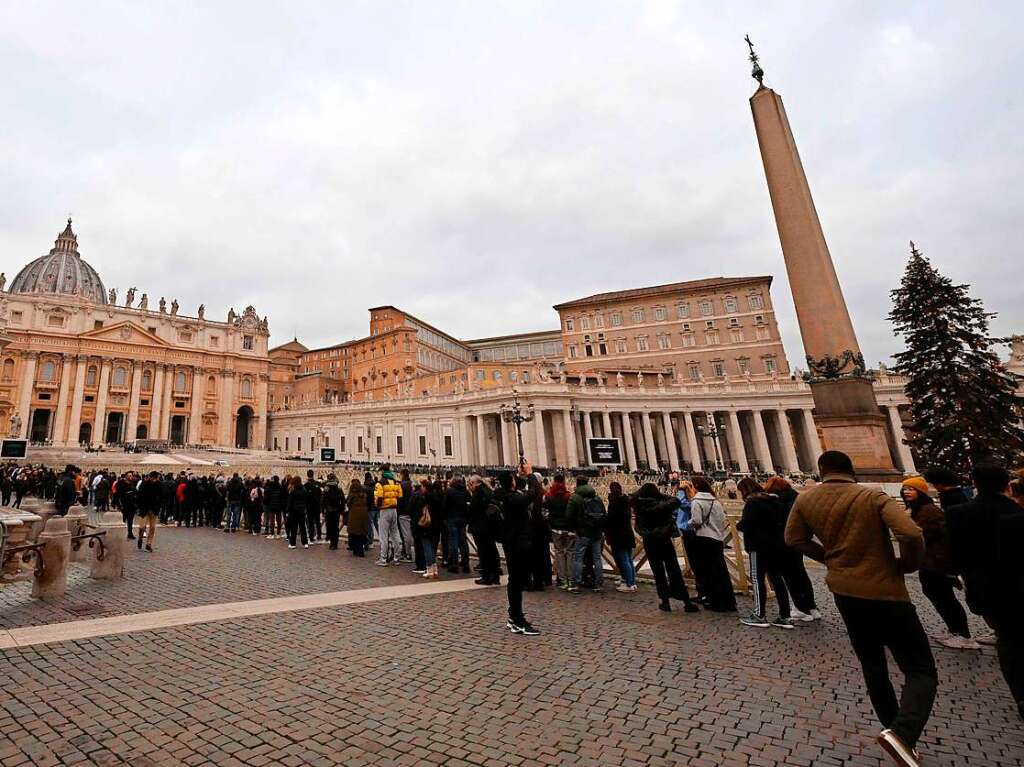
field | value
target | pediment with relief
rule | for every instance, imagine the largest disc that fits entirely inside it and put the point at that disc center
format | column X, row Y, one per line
column 125, row 332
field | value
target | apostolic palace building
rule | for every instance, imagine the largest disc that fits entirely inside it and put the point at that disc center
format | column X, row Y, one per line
column 690, row 374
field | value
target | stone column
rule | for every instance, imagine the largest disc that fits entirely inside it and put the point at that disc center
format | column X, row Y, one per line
column 588, row 434
column 652, row 456
column 761, row 446
column 133, row 402
column 691, row 441
column 76, row 403
column 156, row 402
column 670, row 440
column 789, row 459
column 165, row 408
column 227, row 394
column 542, row 439
column 464, row 455
column 570, row 439
column 260, row 431
column 813, row 442
column 28, row 383
column 627, row 437
column 509, row 453
column 905, row 456
column 606, row 424
column 481, row 440
column 195, row 418
column 736, row 446
column 60, row 428
column 98, row 430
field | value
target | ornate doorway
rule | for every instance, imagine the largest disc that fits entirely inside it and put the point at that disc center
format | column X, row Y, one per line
column 177, row 430
column 243, row 426
column 40, row 431
column 85, row 434
column 115, row 428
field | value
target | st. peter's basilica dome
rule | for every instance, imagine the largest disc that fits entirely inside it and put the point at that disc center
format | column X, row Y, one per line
column 61, row 271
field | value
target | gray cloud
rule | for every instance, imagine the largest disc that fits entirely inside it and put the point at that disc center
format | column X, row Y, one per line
column 475, row 163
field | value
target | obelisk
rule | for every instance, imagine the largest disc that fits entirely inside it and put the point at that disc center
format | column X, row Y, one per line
column 845, row 409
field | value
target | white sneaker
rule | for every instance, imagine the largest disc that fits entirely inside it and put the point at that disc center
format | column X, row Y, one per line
column 633, row 588
column 381, row 563
column 290, row 546
column 305, row 545
column 898, row 750
column 624, row 589
column 956, row 642
column 796, row 615
column 816, row 614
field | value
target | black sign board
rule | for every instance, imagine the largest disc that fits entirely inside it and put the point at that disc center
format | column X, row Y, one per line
column 14, row 448
column 327, row 455
column 604, row 451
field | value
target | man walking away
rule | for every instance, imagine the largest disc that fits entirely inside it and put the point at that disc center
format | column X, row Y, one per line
column 513, row 507
column 235, row 494
column 405, row 517
column 150, row 497
column 66, row 492
column 313, row 494
column 333, row 500
column 386, row 495
column 456, row 510
column 866, row 580
column 986, row 536
column 563, row 537
column 484, row 531
column 588, row 517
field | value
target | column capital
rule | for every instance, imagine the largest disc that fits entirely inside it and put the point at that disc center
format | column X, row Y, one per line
column 30, row 355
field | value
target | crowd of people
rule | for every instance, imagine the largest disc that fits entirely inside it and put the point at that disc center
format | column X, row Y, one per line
column 964, row 539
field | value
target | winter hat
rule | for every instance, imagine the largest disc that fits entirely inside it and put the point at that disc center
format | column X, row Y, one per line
column 918, row 483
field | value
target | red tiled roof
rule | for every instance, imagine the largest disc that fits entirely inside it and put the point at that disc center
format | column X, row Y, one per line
column 690, row 286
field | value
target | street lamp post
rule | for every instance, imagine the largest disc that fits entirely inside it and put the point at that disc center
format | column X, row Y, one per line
column 514, row 414
column 710, row 429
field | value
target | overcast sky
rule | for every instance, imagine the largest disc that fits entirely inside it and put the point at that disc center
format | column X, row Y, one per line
column 476, row 162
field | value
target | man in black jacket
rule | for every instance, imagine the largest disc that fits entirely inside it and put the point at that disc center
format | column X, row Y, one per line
column 514, row 508
column 65, row 494
column 149, row 499
column 986, row 536
column 456, row 510
column 484, row 532
column 313, row 493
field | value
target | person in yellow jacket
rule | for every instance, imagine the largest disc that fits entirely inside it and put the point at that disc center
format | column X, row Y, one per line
column 386, row 495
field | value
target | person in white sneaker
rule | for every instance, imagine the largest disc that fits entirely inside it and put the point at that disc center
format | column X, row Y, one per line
column 937, row 580
column 620, row 536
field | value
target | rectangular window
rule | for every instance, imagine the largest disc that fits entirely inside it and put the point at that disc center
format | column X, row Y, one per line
column 711, row 337
column 215, row 341
column 695, row 372
column 769, row 365
column 286, row 443
column 664, row 342
column 585, row 323
column 706, row 308
column 572, row 352
column 620, row 346
column 709, row 324
column 247, row 343
column 689, row 339
column 744, row 365
column 602, row 349
column 719, row 369
column 298, row 443
column 638, row 316
column 616, row 319
column 341, row 443
column 758, row 319
column 16, row 318
column 731, row 305
column 359, row 444
column 683, row 311
column 737, row 336
column 570, row 325
column 762, row 333
column 97, row 324
column 734, row 322
column 755, row 303
column 423, row 444
column 448, row 448
column 599, row 321
column 641, row 343
column 380, row 444
column 659, row 313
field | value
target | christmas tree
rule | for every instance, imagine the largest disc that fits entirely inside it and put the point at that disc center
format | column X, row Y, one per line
column 964, row 402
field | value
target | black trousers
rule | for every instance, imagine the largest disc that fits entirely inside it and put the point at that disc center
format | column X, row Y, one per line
column 296, row 524
column 690, row 548
column 518, row 563
column 487, row 550
column 332, row 521
column 668, row 578
column 873, row 626
column 313, row 524
column 420, row 559
column 1010, row 648
column 797, row 581
column 768, row 565
column 129, row 519
column 938, row 587
column 710, row 562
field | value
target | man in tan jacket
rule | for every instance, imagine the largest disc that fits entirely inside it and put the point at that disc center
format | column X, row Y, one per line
column 852, row 524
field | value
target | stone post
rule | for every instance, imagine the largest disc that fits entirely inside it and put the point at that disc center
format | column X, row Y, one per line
column 114, row 543
column 53, row 581
column 77, row 519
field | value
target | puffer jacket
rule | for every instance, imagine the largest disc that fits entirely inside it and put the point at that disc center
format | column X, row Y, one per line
column 763, row 524
column 387, row 492
column 656, row 517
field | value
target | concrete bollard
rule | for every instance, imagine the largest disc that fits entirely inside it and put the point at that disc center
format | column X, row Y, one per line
column 77, row 519
column 114, row 544
column 45, row 510
column 53, row 581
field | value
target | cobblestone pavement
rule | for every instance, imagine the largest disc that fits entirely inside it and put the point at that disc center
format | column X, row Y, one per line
column 438, row 680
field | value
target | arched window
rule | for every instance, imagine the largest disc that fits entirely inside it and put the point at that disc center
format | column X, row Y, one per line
column 147, row 380
column 48, row 372
column 8, row 369
column 211, row 385
column 246, row 388
column 90, row 376
column 179, row 381
column 120, row 376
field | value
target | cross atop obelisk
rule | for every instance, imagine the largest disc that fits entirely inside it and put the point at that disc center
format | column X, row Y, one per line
column 756, row 72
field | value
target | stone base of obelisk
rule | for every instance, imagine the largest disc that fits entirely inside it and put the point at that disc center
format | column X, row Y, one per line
column 847, row 416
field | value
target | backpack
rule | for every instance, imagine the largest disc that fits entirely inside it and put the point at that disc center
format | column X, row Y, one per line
column 494, row 512
column 594, row 511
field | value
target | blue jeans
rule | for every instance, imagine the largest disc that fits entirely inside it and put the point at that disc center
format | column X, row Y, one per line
column 234, row 514
column 429, row 554
column 458, row 544
column 594, row 545
column 624, row 559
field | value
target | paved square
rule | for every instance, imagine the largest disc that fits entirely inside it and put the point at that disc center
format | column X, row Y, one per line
column 437, row 679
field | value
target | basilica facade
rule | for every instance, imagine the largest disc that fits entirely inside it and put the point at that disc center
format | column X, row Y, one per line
column 80, row 369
